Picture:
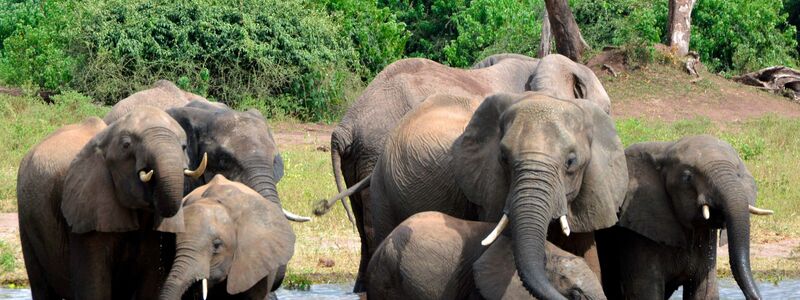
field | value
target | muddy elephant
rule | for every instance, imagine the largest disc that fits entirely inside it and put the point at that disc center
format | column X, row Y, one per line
column 91, row 199
column 163, row 95
column 358, row 139
column 524, row 158
column 239, row 145
column 234, row 239
column 680, row 194
column 434, row 256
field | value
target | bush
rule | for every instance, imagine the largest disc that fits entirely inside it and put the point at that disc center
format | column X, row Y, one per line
column 375, row 32
column 742, row 35
column 618, row 22
column 429, row 22
column 488, row 27
column 235, row 50
column 33, row 43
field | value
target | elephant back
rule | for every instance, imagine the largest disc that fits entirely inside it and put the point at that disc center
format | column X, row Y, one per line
column 416, row 161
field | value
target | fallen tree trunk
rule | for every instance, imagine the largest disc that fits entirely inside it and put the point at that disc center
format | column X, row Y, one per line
column 779, row 79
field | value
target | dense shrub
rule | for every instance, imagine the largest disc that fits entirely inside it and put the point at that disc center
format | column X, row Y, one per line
column 291, row 56
column 429, row 22
column 34, row 38
column 743, row 35
column 494, row 26
column 375, row 32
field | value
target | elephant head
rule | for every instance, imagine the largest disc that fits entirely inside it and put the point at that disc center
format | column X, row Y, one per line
column 693, row 183
column 232, row 235
column 535, row 159
column 496, row 276
column 240, row 146
column 560, row 77
column 136, row 163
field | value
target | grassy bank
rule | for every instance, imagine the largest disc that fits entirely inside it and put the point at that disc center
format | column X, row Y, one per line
column 770, row 145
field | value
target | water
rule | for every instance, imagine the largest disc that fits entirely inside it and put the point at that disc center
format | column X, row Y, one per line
column 728, row 290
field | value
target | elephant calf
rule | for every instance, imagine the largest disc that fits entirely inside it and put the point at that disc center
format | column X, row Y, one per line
column 679, row 195
column 235, row 241
column 434, row 256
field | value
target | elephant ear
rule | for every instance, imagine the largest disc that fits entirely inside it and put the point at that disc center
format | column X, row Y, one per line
column 648, row 209
column 605, row 180
column 479, row 171
column 265, row 242
column 193, row 120
column 277, row 167
column 89, row 202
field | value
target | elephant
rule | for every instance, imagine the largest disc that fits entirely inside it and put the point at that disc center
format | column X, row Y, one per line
column 163, row 95
column 680, row 193
column 435, row 256
column 91, row 200
column 239, row 145
column 524, row 159
column 234, row 239
column 359, row 138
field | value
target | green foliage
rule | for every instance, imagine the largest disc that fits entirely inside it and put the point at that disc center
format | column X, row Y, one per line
column 429, row 22
column 619, row 22
column 297, row 282
column 7, row 260
column 743, row 35
column 375, row 32
column 33, row 43
column 233, row 49
column 487, row 27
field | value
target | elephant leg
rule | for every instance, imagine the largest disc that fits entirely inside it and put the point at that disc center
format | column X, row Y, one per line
column 91, row 265
column 703, row 283
column 361, row 214
column 40, row 288
column 153, row 262
column 579, row 243
column 642, row 275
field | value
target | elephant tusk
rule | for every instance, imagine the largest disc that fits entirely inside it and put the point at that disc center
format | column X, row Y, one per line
column 200, row 169
column 564, row 225
column 145, row 177
column 706, row 212
column 205, row 288
column 295, row 217
column 759, row 211
column 496, row 232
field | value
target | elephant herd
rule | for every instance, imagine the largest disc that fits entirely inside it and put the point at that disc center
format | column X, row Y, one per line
column 504, row 181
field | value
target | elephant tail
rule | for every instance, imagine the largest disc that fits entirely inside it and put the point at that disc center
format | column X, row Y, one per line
column 323, row 206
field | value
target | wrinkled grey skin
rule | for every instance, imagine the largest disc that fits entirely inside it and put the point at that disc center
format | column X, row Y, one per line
column 239, row 145
column 434, row 256
column 163, row 95
column 235, row 238
column 661, row 223
column 358, row 139
column 87, row 221
column 530, row 156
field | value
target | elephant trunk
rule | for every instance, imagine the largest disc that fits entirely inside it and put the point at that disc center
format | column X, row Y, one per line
column 189, row 267
column 734, row 205
column 168, row 164
column 259, row 176
column 530, row 209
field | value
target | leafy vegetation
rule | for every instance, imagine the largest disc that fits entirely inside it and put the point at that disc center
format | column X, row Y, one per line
column 306, row 59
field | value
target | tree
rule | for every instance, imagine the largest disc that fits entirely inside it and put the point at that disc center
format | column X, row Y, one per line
column 679, row 25
column 544, row 44
column 569, row 41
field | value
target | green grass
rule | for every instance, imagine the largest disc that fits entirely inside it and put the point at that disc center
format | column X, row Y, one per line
column 24, row 121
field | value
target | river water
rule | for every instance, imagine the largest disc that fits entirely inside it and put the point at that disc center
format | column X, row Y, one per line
column 788, row 289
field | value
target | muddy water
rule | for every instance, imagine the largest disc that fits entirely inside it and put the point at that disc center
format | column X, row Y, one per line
column 788, row 289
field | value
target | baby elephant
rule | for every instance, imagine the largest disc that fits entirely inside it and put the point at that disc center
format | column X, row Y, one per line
column 679, row 195
column 435, row 256
column 236, row 242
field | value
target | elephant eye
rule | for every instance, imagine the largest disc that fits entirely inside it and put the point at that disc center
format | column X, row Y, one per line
column 686, row 176
column 572, row 159
column 126, row 142
column 217, row 244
